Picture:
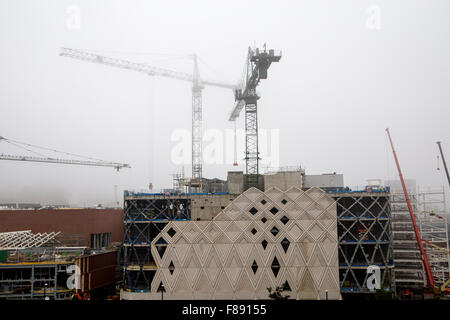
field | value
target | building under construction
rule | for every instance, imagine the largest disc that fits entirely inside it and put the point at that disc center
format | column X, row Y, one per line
column 259, row 240
column 363, row 226
column 37, row 266
column 44, row 266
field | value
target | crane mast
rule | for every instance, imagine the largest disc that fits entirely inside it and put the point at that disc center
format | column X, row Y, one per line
column 257, row 64
column 197, row 86
column 197, row 126
column 426, row 264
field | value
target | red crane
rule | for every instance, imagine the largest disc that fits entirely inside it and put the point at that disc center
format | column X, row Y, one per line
column 430, row 278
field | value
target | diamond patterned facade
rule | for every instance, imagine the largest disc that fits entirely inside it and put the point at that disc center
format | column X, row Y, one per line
column 261, row 240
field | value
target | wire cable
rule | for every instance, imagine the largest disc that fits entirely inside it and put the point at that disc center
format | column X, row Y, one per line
column 217, row 73
column 49, row 149
column 18, row 146
column 178, row 55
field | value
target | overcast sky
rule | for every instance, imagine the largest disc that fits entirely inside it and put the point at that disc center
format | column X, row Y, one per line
column 344, row 76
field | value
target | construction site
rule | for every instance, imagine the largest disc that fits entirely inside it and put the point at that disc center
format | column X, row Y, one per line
column 231, row 239
column 308, row 236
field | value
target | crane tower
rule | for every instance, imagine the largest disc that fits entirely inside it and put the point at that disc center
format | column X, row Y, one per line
column 257, row 64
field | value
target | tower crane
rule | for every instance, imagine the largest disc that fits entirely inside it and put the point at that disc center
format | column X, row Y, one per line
column 90, row 162
column 257, row 64
column 197, row 86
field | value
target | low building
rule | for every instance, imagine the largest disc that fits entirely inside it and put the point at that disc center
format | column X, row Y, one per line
column 97, row 227
column 19, row 206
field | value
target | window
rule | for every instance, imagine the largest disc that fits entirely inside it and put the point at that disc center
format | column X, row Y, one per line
column 254, row 267
column 274, row 231
column 171, row 232
column 275, row 266
column 100, row 240
column 264, row 244
column 284, row 219
column 274, row 210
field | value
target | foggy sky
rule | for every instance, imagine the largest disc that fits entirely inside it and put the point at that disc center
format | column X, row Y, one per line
column 337, row 87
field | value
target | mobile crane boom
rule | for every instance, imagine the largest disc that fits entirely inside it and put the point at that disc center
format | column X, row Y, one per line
column 426, row 264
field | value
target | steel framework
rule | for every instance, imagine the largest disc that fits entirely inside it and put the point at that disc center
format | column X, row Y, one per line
column 144, row 219
column 251, row 142
column 365, row 239
column 197, row 132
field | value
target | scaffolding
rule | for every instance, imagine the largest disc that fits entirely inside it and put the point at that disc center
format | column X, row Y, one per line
column 182, row 185
column 365, row 239
column 433, row 229
column 428, row 205
column 178, row 182
column 409, row 270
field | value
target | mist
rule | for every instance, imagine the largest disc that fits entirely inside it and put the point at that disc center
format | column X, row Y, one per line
column 339, row 84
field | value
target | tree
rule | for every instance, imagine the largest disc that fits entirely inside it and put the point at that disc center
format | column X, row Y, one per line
column 277, row 293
